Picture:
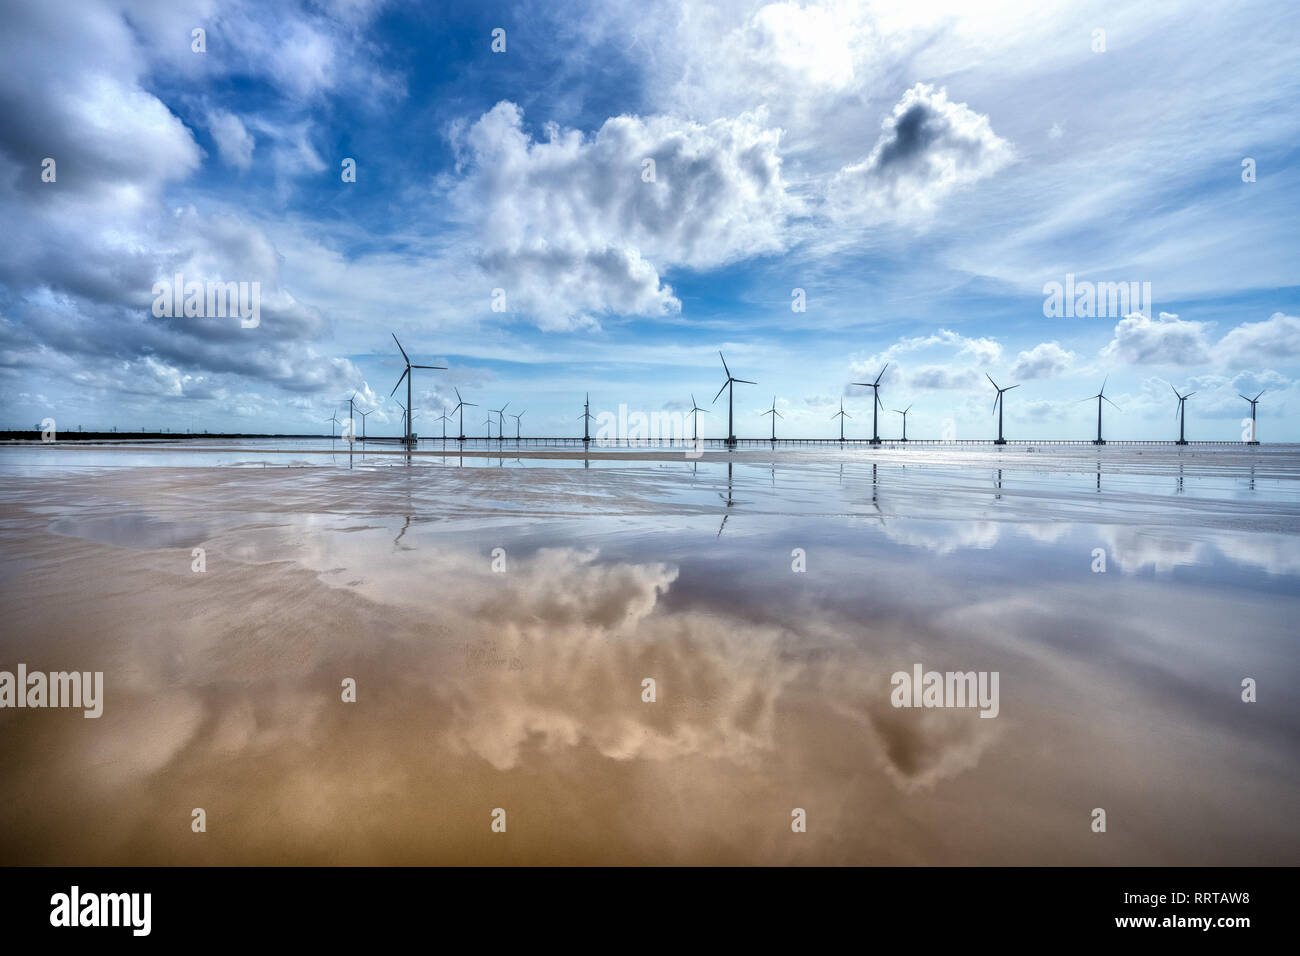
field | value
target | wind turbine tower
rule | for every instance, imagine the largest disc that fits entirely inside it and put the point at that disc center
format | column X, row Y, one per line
column 1254, row 435
column 998, row 404
column 406, row 374
column 775, row 415
column 841, row 415
column 728, row 385
column 695, row 414
column 461, row 405
column 586, row 419
column 1100, row 397
column 1182, row 415
column 903, row 412
column 876, row 406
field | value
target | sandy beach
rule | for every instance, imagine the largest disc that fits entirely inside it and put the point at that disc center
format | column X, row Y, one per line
column 499, row 623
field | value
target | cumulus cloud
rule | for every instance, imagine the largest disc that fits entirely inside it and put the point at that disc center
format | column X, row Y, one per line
column 1275, row 339
column 1167, row 340
column 1043, row 360
column 570, row 227
column 928, row 147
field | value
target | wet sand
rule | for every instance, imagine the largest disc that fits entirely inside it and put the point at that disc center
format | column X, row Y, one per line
column 521, row 687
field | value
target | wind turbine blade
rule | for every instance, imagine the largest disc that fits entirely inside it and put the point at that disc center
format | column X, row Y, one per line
column 846, row 414
column 405, row 372
column 1239, row 395
column 1175, row 391
column 457, row 391
column 443, row 367
column 1112, row 403
column 1188, row 395
column 1103, row 385
column 1010, row 387
column 1257, row 397
column 995, row 403
column 990, row 378
column 724, row 363
column 721, row 390
column 400, row 349
column 744, row 381
column 882, row 374
column 878, row 401
column 778, row 414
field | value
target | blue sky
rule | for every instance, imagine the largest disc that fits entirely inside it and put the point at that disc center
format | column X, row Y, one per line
column 920, row 171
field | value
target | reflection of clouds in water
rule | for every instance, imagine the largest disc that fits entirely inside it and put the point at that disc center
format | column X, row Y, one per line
column 1134, row 548
column 943, row 538
column 1276, row 554
column 587, row 634
column 1048, row 533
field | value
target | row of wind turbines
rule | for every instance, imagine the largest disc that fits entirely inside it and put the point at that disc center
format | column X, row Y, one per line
column 728, row 386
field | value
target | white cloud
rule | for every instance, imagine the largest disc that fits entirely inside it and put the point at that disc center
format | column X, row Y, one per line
column 569, row 228
column 234, row 142
column 1167, row 340
column 928, row 147
column 1275, row 339
column 1043, row 360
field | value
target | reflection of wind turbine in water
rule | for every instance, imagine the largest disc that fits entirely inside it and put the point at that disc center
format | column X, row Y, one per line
column 728, row 499
column 1100, row 397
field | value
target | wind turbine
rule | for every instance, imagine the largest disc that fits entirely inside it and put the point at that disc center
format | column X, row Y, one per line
column 461, row 405
column 403, row 408
column 903, row 412
column 516, row 418
column 444, row 419
column 586, row 418
column 1254, row 438
column 695, row 413
column 1181, row 414
column 841, row 415
column 335, row 419
column 488, row 423
column 775, row 415
column 363, row 422
column 998, row 406
column 876, row 406
column 352, row 425
column 728, row 385
column 410, row 438
column 501, row 421
column 1100, row 396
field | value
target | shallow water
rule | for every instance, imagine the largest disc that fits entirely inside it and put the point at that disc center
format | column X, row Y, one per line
column 500, row 620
